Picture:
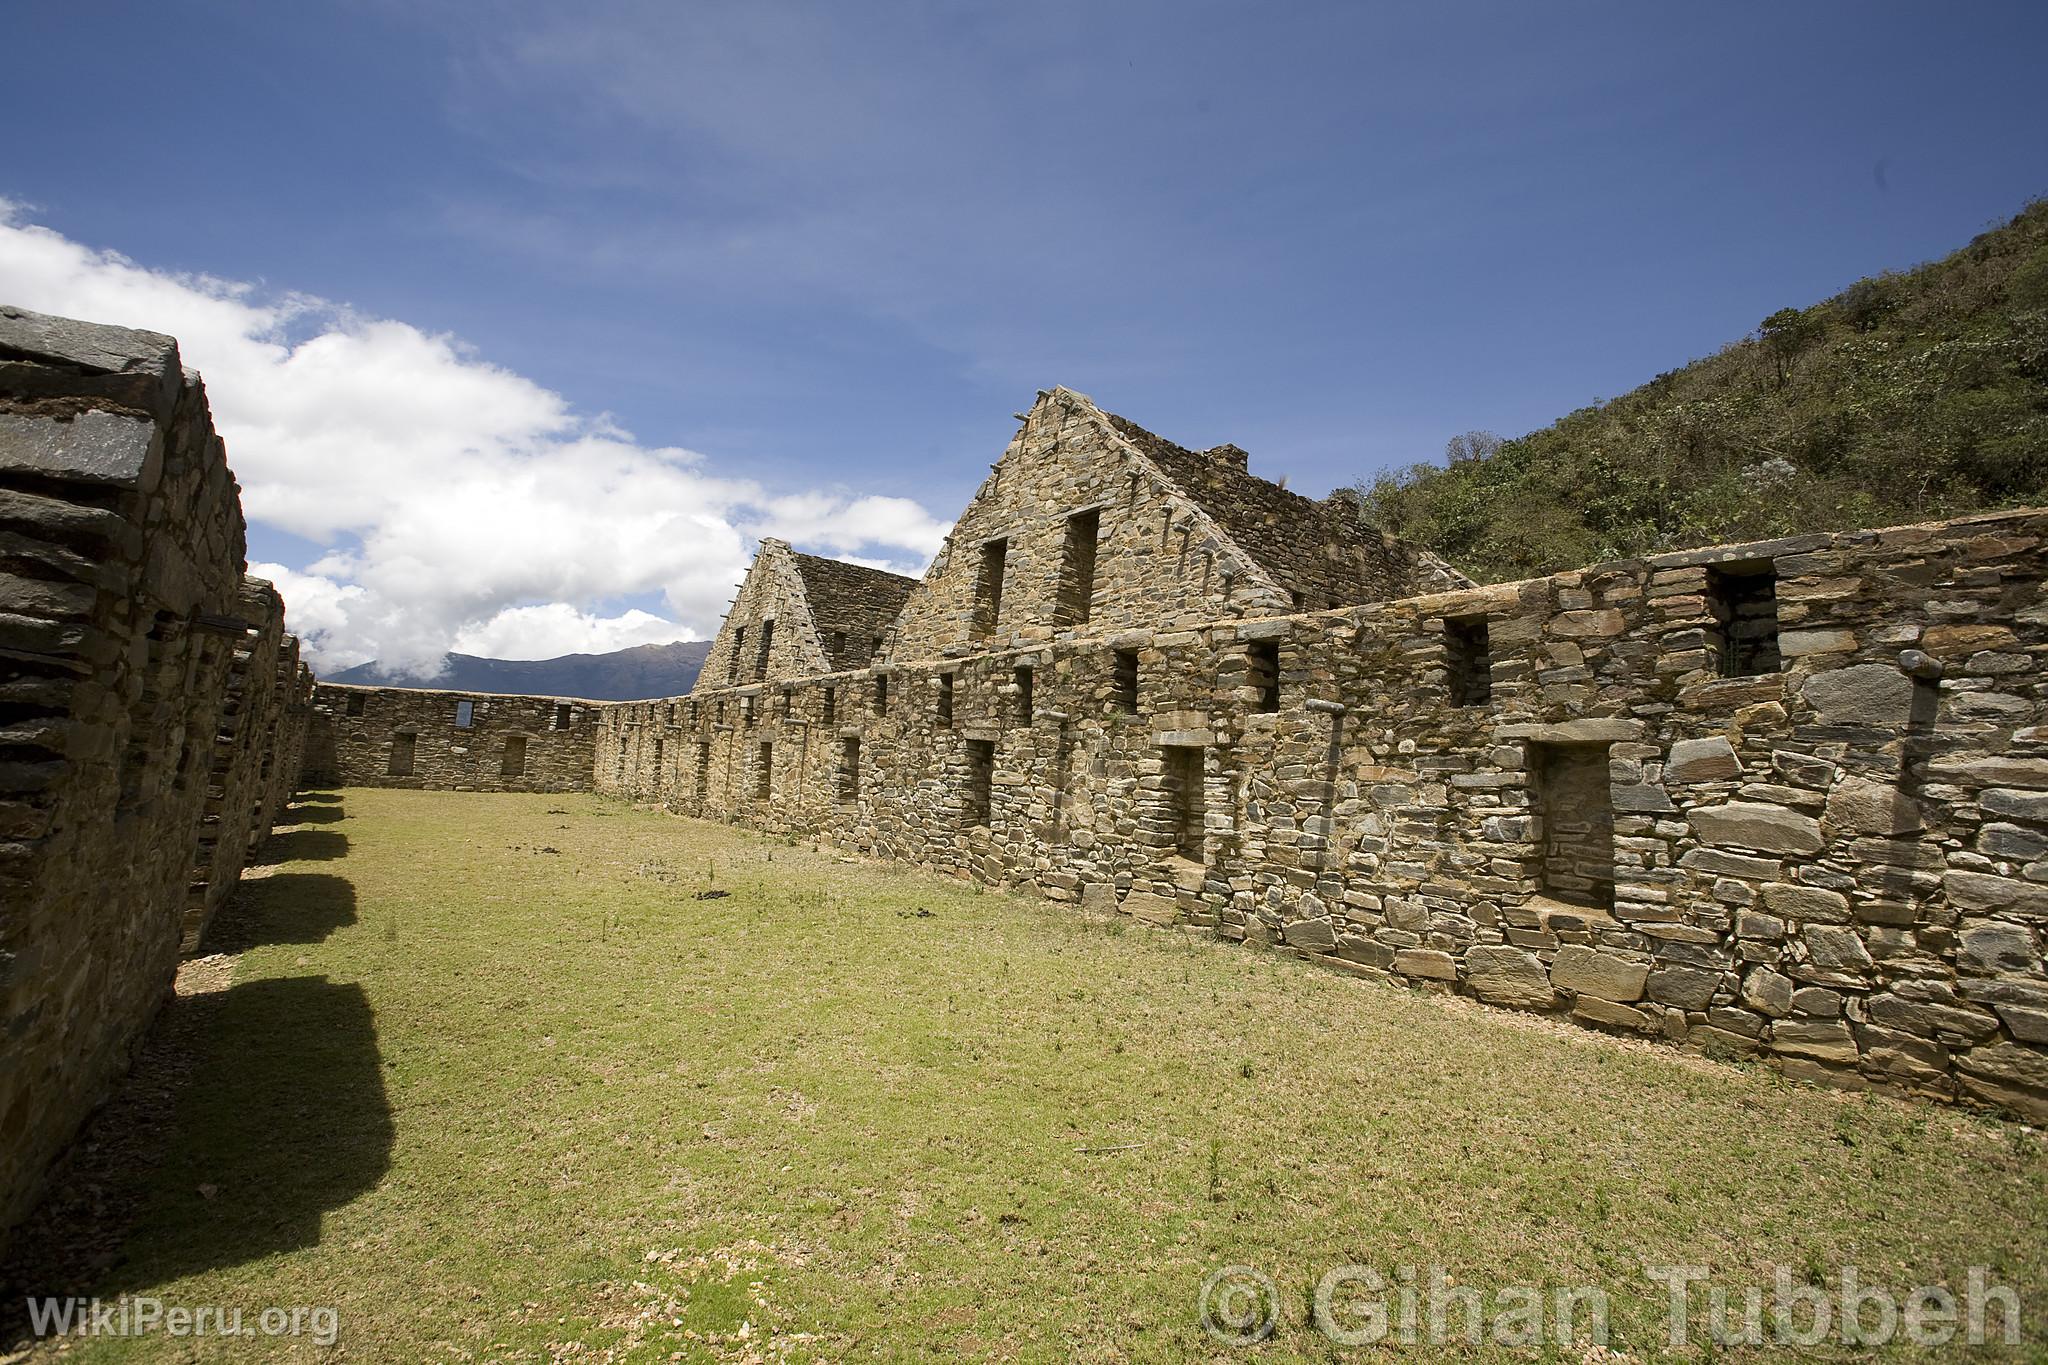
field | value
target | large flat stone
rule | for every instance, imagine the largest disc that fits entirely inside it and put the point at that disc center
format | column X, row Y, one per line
column 92, row 447
column 1995, row 948
column 1862, row 806
column 1591, row 972
column 92, row 359
column 1982, row 891
column 1502, row 975
column 1312, row 935
column 1861, row 694
column 1751, row 824
column 1702, row 760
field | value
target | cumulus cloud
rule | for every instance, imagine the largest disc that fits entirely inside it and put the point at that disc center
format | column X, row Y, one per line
column 459, row 505
column 556, row 628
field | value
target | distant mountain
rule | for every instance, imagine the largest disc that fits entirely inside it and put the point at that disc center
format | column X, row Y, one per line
column 634, row 674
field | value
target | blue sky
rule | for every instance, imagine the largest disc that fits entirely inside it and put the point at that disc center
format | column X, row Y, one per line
column 829, row 249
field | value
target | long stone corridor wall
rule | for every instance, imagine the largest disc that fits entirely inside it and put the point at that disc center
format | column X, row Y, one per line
column 1787, row 800
column 363, row 736
column 153, row 708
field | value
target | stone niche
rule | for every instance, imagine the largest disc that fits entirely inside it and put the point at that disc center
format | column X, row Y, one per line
column 1570, row 789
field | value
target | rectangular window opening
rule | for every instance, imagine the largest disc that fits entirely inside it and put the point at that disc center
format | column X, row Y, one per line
column 767, row 643
column 514, row 762
column 882, row 694
column 703, row 775
column 561, row 717
column 657, row 762
column 831, row 706
column 764, row 772
column 1469, row 660
column 849, row 768
column 1185, row 812
column 1262, row 661
column 465, row 714
column 1125, row 681
column 1077, row 568
column 981, row 771
column 988, row 588
column 945, row 706
column 1575, row 809
column 401, row 755
column 1743, row 604
column 355, row 703
column 739, row 649
column 1024, row 696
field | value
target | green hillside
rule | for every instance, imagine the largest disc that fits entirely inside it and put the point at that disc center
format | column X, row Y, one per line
column 1907, row 397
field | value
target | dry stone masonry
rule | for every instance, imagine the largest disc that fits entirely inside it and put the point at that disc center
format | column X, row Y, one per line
column 449, row 741
column 1784, row 800
column 153, row 706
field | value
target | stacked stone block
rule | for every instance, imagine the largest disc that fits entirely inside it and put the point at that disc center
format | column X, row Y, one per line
column 129, row 789
column 416, row 737
column 1838, row 863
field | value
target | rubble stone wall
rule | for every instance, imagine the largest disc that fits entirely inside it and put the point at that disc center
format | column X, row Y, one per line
column 1839, row 864
column 136, row 687
column 1173, row 530
column 412, row 737
column 770, row 607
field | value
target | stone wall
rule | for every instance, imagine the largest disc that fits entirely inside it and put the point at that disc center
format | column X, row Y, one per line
column 149, row 726
column 410, row 737
column 1831, row 853
column 1157, row 536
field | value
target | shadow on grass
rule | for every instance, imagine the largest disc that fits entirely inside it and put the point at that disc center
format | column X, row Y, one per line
column 319, row 813
column 285, row 1118
column 306, row 845
column 285, row 907
column 252, row 1111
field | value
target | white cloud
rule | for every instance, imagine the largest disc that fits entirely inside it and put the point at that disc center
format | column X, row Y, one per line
column 463, row 505
column 557, row 628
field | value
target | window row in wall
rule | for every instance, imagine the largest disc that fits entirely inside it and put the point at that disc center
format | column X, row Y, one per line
column 1073, row 589
column 1742, row 640
column 405, row 752
column 463, row 717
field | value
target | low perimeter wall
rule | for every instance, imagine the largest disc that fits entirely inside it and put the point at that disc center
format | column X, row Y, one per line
column 154, row 711
column 1787, row 800
column 449, row 741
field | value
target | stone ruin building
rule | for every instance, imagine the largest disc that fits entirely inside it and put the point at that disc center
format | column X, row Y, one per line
column 1785, row 800
column 154, row 710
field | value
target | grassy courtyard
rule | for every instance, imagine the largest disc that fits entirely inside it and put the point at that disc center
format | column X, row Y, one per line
column 539, row 1078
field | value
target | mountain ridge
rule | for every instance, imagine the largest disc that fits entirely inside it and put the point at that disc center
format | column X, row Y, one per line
column 637, row 673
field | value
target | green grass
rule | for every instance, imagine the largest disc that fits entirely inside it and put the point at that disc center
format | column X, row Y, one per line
column 495, row 1084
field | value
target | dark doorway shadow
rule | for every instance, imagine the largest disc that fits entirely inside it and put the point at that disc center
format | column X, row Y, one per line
column 281, row 1117
column 305, row 845
column 284, row 907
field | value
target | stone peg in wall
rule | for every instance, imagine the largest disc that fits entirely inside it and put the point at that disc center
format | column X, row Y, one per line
column 1919, row 665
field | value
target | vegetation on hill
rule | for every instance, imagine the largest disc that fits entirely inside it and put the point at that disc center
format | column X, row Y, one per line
column 1907, row 397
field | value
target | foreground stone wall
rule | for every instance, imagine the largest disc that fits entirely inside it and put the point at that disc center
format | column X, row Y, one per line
column 412, row 737
column 149, row 724
column 1550, row 795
